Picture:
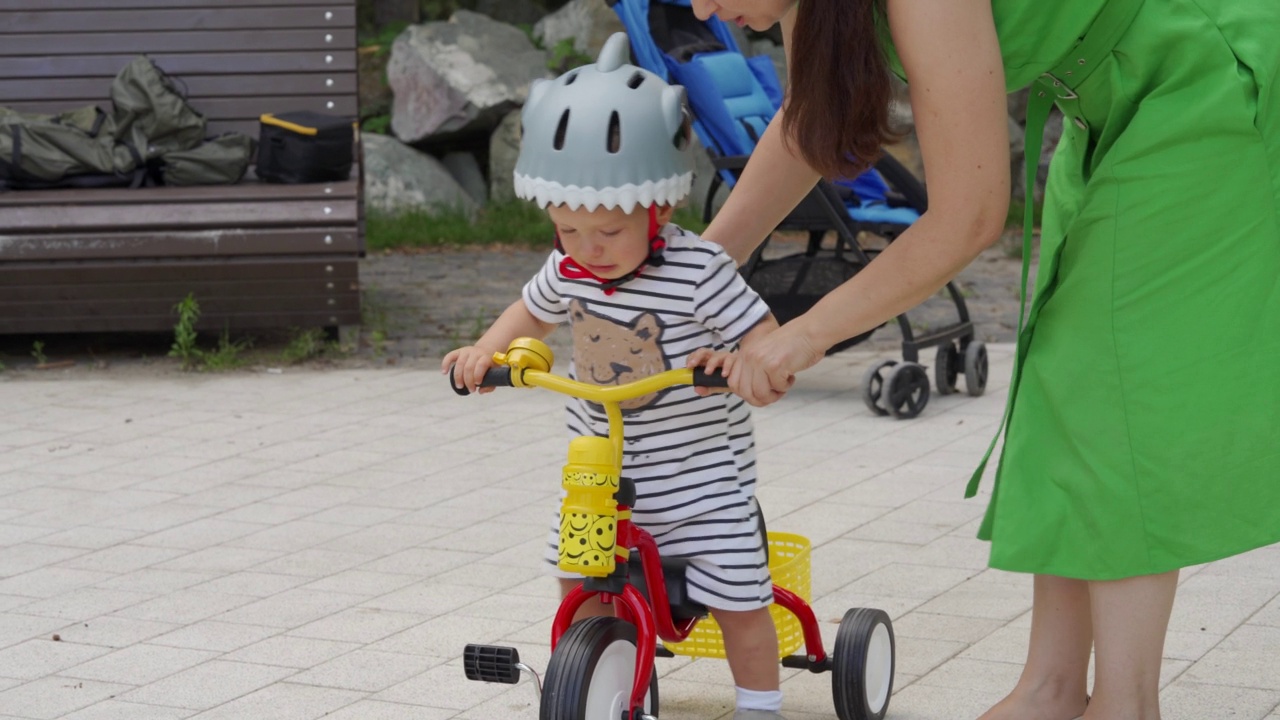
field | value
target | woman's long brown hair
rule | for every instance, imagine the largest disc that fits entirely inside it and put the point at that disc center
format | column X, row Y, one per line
column 838, row 92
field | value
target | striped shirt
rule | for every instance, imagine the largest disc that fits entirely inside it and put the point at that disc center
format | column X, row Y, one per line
column 689, row 456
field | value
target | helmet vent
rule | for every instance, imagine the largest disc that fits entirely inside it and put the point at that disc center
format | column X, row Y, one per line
column 615, row 133
column 635, row 80
column 569, row 80
column 561, row 130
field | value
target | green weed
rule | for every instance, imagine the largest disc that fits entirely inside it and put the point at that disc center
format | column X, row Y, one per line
column 37, row 352
column 184, row 333
column 226, row 355
column 306, row 345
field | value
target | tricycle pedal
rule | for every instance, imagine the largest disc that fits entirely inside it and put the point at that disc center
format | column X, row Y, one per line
column 492, row 663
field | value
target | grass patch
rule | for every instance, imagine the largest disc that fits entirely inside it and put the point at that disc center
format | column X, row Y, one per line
column 504, row 223
column 515, row 223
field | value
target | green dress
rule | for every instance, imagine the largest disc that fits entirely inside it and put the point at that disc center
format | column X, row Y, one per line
column 1144, row 428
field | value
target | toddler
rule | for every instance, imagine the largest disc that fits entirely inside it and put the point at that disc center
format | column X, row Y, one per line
column 605, row 150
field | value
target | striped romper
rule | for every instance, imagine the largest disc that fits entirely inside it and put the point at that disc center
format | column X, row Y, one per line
column 692, row 458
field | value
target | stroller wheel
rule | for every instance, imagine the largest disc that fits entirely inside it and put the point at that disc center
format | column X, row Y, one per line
column 873, row 382
column 975, row 368
column 947, row 368
column 906, row 391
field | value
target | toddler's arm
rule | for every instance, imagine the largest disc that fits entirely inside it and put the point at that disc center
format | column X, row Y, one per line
column 471, row 362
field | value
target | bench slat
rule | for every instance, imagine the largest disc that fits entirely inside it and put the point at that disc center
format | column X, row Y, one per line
column 210, row 243
column 127, row 4
column 263, row 320
column 164, row 20
column 140, row 296
column 322, row 85
column 140, row 273
column 245, row 191
column 339, row 39
column 218, row 108
column 72, row 218
column 180, row 65
column 249, row 297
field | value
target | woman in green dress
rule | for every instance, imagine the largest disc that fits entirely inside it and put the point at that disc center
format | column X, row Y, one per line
column 1143, row 422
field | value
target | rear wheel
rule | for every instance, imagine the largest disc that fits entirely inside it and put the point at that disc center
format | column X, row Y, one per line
column 873, row 381
column 975, row 368
column 946, row 369
column 591, row 673
column 862, row 665
column 906, row 390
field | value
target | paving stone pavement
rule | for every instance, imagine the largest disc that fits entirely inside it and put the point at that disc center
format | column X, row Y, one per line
column 323, row 543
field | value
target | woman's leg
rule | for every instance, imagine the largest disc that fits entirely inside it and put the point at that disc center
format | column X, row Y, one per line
column 1130, row 620
column 1053, row 681
column 751, row 645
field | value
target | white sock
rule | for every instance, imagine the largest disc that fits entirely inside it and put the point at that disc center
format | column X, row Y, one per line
column 770, row 700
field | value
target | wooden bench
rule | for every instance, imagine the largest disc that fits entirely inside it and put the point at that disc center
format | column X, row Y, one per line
column 255, row 255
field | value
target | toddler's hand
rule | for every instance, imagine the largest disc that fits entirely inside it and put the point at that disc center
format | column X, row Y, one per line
column 711, row 360
column 469, row 365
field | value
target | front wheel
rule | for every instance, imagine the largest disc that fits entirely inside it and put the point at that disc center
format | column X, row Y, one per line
column 591, row 673
column 862, row 665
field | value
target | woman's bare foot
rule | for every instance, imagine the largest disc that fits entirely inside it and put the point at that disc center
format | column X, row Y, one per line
column 1024, row 706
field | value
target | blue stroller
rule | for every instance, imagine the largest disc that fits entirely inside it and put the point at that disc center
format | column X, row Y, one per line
column 733, row 98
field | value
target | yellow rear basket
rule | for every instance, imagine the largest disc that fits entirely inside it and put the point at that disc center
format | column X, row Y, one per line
column 789, row 565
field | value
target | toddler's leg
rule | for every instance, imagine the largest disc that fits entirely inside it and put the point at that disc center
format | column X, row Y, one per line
column 591, row 608
column 751, row 644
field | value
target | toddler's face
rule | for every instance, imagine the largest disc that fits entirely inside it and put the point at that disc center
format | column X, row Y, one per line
column 609, row 243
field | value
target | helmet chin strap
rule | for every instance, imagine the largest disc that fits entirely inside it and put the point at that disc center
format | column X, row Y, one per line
column 572, row 270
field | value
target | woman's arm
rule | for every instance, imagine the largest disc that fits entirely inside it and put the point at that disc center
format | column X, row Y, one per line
column 956, row 78
column 772, row 184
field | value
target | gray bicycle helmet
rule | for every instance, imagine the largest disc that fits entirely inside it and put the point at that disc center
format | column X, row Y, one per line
column 605, row 135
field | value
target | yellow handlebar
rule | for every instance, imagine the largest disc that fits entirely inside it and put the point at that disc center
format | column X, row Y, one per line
column 530, row 362
column 600, row 393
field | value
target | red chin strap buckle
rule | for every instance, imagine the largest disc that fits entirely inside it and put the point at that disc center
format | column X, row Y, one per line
column 571, row 269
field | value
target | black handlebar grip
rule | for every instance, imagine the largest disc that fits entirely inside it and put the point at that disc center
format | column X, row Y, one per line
column 701, row 378
column 493, row 377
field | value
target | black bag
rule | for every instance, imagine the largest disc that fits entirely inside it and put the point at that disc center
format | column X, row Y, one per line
column 305, row 147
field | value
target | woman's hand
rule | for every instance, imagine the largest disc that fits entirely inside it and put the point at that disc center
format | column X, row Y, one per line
column 766, row 369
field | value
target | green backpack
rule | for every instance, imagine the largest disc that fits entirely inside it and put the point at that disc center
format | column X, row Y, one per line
column 152, row 137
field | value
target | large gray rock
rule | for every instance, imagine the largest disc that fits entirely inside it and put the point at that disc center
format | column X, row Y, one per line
column 459, row 77
column 588, row 22
column 504, row 148
column 398, row 178
column 464, row 168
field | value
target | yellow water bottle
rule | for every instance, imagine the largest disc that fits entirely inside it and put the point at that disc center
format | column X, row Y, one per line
column 589, row 513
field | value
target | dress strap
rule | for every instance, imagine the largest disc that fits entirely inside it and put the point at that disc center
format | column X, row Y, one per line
column 1058, row 85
